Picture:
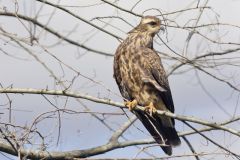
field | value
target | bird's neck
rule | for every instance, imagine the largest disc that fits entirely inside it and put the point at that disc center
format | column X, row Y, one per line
column 139, row 39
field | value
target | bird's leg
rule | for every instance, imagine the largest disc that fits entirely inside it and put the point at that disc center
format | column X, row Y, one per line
column 150, row 109
column 131, row 104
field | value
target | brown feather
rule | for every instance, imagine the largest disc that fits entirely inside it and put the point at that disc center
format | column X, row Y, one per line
column 140, row 75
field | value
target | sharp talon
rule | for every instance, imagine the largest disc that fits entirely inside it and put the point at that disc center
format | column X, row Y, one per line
column 131, row 104
column 150, row 109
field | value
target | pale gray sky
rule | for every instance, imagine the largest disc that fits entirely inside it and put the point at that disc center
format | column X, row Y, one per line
column 189, row 98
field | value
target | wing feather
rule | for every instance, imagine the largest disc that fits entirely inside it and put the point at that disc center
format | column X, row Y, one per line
column 159, row 76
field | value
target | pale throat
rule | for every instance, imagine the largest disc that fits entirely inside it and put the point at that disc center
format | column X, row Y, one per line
column 142, row 39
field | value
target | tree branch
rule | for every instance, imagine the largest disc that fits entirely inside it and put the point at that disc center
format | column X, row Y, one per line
column 80, row 18
column 34, row 21
column 117, row 104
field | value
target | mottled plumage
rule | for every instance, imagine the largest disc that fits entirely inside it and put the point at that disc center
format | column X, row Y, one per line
column 140, row 76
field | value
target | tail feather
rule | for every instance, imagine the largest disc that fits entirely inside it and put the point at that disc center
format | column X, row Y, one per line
column 168, row 130
column 165, row 135
column 171, row 136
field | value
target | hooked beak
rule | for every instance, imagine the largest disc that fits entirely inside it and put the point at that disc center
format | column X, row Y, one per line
column 162, row 28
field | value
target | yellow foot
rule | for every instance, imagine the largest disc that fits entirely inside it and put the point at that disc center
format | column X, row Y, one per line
column 150, row 109
column 131, row 104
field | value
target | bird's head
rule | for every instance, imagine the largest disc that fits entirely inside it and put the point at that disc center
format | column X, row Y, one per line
column 149, row 24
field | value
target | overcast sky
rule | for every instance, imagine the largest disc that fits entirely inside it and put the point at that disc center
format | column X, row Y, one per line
column 82, row 131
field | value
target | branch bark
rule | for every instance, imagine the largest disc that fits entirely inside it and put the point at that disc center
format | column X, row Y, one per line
column 34, row 21
column 117, row 104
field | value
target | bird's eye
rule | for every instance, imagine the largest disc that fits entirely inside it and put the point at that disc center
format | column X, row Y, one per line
column 153, row 23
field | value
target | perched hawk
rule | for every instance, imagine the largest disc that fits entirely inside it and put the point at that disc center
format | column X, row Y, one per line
column 142, row 81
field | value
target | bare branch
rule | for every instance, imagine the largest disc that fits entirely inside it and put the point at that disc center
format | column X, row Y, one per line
column 34, row 21
column 80, row 18
column 117, row 104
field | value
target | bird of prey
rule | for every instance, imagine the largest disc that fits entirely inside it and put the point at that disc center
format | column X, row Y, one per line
column 142, row 81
